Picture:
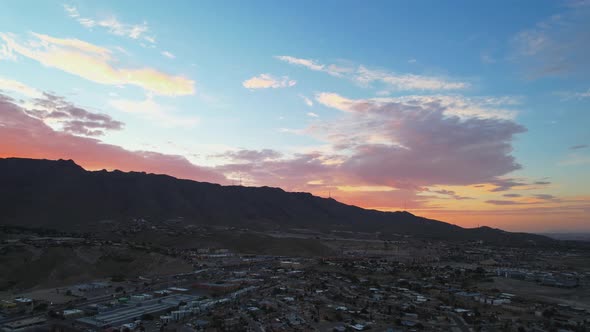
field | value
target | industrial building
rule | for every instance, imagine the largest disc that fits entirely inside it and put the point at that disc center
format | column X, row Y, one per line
column 131, row 312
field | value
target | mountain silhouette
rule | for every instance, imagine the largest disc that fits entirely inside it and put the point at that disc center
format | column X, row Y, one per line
column 59, row 194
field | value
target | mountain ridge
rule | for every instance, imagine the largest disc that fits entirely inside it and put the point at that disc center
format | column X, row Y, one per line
column 60, row 194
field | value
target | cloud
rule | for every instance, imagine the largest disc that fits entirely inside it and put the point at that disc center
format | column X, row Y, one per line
column 306, row 100
column 263, row 168
column 28, row 137
column 574, row 147
column 545, row 197
column 512, row 195
column 400, row 148
column 569, row 95
column 540, row 199
column 503, row 184
column 7, row 53
column 309, row 64
column 504, row 202
column 249, row 155
column 56, row 111
column 336, row 101
column 392, row 81
column 556, row 46
column 318, row 173
column 95, row 63
column 399, row 82
column 332, row 69
column 112, row 25
column 312, row 114
column 399, row 143
column 265, row 81
column 7, row 85
column 463, row 107
column 154, row 112
column 451, row 194
column 168, row 55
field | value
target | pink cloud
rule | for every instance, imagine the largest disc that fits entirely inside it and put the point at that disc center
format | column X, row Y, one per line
column 28, row 137
column 406, row 146
column 72, row 118
column 418, row 143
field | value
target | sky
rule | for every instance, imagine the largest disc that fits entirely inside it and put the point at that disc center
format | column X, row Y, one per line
column 474, row 113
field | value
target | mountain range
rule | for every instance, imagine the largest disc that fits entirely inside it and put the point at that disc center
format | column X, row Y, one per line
column 59, row 194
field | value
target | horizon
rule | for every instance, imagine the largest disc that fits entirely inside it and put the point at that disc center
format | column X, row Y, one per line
column 474, row 117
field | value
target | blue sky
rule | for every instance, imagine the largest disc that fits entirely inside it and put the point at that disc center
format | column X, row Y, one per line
column 321, row 96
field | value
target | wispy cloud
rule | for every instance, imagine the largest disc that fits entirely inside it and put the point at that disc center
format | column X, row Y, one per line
column 168, row 55
column 308, row 63
column 312, row 114
column 332, row 69
column 394, row 81
column 504, row 202
column 249, row 155
column 556, row 46
column 391, row 81
column 265, row 81
column 7, row 53
column 568, row 95
column 545, row 197
column 306, row 100
column 112, row 25
column 577, row 147
column 534, row 199
column 8, row 85
column 451, row 194
column 95, row 63
column 512, row 195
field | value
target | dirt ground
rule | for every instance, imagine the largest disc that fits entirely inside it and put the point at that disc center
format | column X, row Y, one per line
column 575, row 297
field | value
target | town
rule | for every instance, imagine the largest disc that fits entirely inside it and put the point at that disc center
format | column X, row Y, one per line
column 363, row 283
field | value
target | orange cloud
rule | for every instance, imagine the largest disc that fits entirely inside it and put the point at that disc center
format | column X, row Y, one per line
column 94, row 63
